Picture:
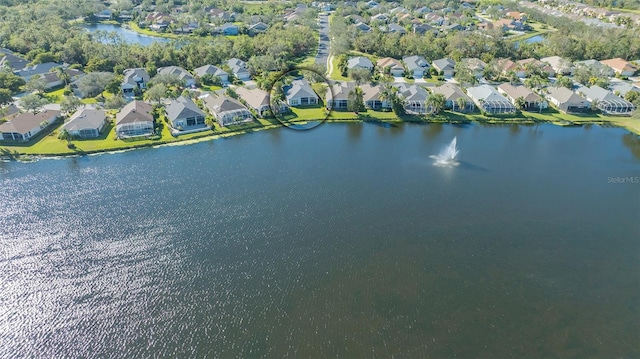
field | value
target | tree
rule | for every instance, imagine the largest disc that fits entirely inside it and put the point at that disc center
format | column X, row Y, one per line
column 232, row 93
column 156, row 93
column 210, row 121
column 11, row 82
column 64, row 135
column 360, row 75
column 113, row 87
column 62, row 74
column 520, row 103
column 564, row 81
column 32, row 102
column 36, row 84
column 390, row 94
column 633, row 97
column 94, row 83
column 436, row 102
column 114, row 102
column 5, row 97
column 167, row 80
column 70, row 103
column 355, row 101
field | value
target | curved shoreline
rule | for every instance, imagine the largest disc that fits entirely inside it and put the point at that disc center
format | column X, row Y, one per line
column 8, row 154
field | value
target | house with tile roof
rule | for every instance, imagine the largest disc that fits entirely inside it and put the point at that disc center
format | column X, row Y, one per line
column 489, row 100
column 86, row 123
column 24, row 126
column 135, row 119
column 184, row 115
column 532, row 101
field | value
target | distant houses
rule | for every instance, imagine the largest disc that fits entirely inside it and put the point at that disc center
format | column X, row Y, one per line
column 86, row 123
column 24, row 126
column 620, row 66
column 213, row 71
column 134, row 120
column 180, row 73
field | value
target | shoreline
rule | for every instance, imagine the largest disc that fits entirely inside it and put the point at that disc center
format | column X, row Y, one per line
column 12, row 153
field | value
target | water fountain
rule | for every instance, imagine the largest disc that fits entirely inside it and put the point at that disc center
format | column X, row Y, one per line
column 447, row 157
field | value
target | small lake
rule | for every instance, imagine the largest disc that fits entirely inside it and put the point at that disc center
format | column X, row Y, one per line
column 531, row 40
column 343, row 241
column 129, row 36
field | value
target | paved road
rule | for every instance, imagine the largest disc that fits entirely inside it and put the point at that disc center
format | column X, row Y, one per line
column 323, row 46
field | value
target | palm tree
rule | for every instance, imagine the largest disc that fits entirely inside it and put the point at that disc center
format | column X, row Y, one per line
column 462, row 103
column 436, row 102
column 64, row 135
column 62, row 75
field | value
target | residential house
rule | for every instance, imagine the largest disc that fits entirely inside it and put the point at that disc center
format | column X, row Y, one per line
column 475, row 65
column 361, row 26
column 537, row 64
column 452, row 27
column 239, row 69
column 9, row 110
column 422, row 29
column 8, row 60
column 606, row 101
column 371, row 95
column 228, row 29
column 258, row 100
column 532, row 101
column 390, row 65
column 434, row 19
column 227, row 110
column 86, row 123
column 559, row 65
column 158, row 21
column 489, row 100
column 300, row 93
column 445, row 66
column 372, row 4
column 23, row 126
column 39, row 69
column 506, row 66
column 180, row 73
column 185, row 115
column 134, row 78
column 380, row 17
column 517, row 15
column 566, row 100
column 416, row 65
column 135, row 119
column 508, row 24
column 258, row 28
column 452, row 94
column 52, row 79
column 620, row 66
column 603, row 69
column 220, row 15
column 414, row 97
column 105, row 14
column 621, row 88
column 394, row 29
column 337, row 96
column 359, row 62
column 422, row 10
column 212, row 70
column 355, row 18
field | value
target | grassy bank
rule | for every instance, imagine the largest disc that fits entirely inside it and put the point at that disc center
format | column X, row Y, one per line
column 133, row 26
column 50, row 145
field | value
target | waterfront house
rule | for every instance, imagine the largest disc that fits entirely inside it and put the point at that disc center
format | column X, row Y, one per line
column 180, row 73
column 532, row 101
column 300, row 93
column 394, row 66
column 620, row 66
column 212, row 70
column 258, row 100
column 135, row 119
column 185, row 115
column 566, row 100
column 239, row 69
column 86, row 123
column 135, row 78
column 416, row 65
column 359, row 62
column 337, row 95
column 23, row 126
column 227, row 110
column 444, row 66
column 451, row 94
column 489, row 100
column 605, row 100
column 559, row 65
column 371, row 95
column 414, row 97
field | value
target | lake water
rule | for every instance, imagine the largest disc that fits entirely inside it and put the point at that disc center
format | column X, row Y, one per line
column 342, row 241
column 129, row 36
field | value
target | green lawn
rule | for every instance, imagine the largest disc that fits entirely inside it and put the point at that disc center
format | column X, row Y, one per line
column 335, row 71
column 138, row 29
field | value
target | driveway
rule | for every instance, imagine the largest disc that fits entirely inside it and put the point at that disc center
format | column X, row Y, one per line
column 323, row 43
column 420, row 81
column 399, row 79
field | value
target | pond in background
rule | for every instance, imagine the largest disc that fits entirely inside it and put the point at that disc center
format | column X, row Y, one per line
column 127, row 35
